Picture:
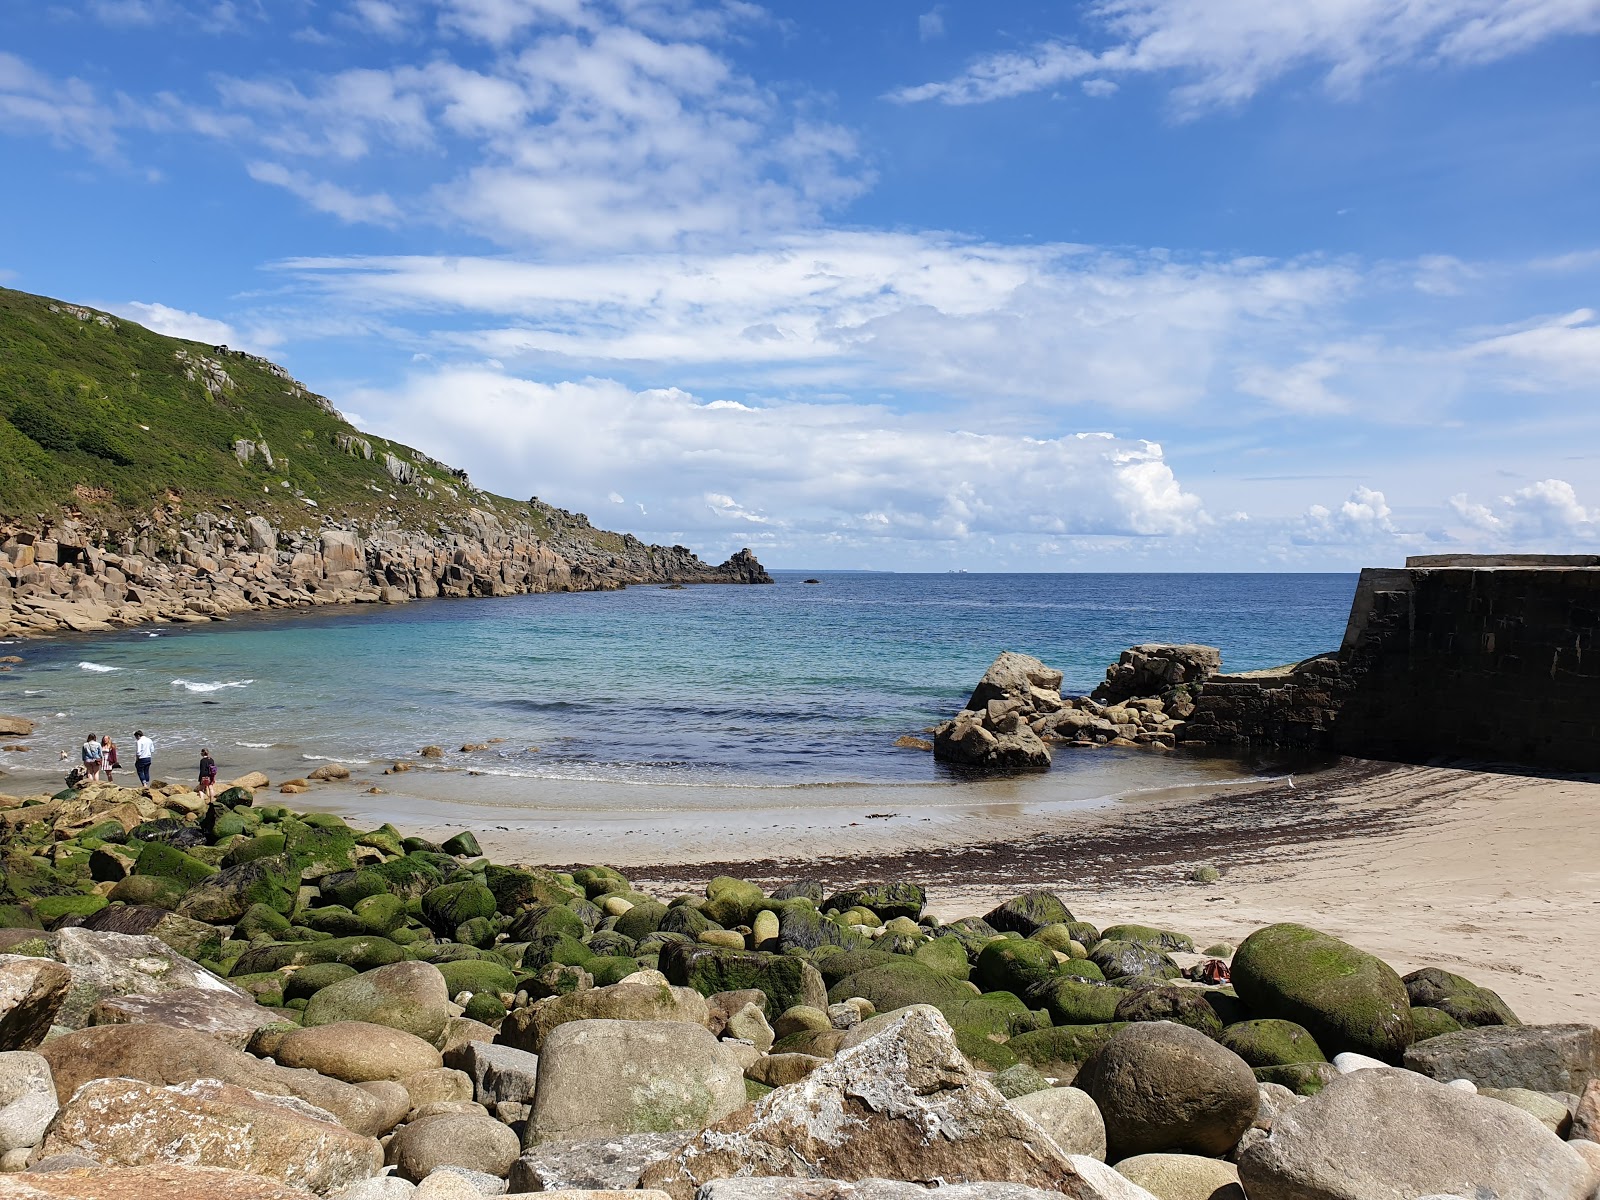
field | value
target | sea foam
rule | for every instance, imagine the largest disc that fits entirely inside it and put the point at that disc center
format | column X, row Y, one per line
column 210, row 687
column 97, row 668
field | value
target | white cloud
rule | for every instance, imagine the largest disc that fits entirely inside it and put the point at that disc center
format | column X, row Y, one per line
column 1544, row 515
column 382, row 17
column 192, row 326
column 1553, row 353
column 1228, row 50
column 328, row 197
column 1364, row 518
column 68, row 111
column 806, row 474
column 930, row 25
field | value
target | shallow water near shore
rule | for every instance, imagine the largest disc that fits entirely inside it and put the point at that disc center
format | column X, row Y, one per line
column 707, row 699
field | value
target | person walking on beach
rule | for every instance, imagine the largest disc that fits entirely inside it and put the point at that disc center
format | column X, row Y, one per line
column 208, row 775
column 91, row 757
column 143, row 751
column 108, row 756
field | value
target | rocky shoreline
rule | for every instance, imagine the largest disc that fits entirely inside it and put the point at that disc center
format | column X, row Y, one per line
column 71, row 574
column 237, row 1000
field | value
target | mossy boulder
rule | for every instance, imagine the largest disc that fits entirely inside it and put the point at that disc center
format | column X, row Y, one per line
column 597, row 881
column 1269, row 1042
column 731, row 902
column 362, row 953
column 641, row 919
column 613, row 943
column 804, row 928
column 887, row 900
column 609, row 969
column 1020, row 1080
column 261, row 922
column 51, row 909
column 901, row 982
column 555, row 948
column 785, row 981
column 1062, row 1049
column 688, row 920
column 410, row 877
column 451, row 904
column 1303, row 1079
column 476, row 976
column 1028, row 913
column 995, row 1053
column 1013, row 965
column 1469, row 1004
column 266, row 845
column 1181, row 1006
column 1082, row 968
column 1120, row 960
column 1058, row 937
column 462, row 845
column 1072, row 1001
column 230, row 892
column 158, row 858
column 995, row 1014
column 332, row 919
column 835, row 967
column 945, row 955
column 1431, row 1023
column 1148, row 935
column 312, row 978
column 266, row 989
column 153, row 891
column 546, row 920
column 18, row 916
column 516, row 888
column 319, row 847
column 1348, row 999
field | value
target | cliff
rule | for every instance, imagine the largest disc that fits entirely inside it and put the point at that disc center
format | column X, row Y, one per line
column 145, row 478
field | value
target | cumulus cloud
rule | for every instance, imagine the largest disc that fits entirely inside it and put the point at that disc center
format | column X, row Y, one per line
column 1364, row 518
column 192, row 326
column 807, row 474
column 1546, row 515
column 1226, row 51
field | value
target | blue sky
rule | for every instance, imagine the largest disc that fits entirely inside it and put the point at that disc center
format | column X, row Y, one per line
column 1119, row 285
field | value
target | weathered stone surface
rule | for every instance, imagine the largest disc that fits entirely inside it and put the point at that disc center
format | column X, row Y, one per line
column 127, row 1122
column 1553, row 1114
column 32, row 991
column 526, row 1028
column 904, row 1104
column 1542, row 1058
column 357, row 1051
column 603, row 1078
column 1395, row 1135
column 614, row 1163
column 1469, row 1004
column 1348, row 999
column 1165, row 1087
column 167, row 1181
column 453, row 1139
column 1586, row 1116
column 27, row 1099
column 409, row 996
column 1071, row 1118
column 780, row 1070
column 164, row 1055
column 228, row 1018
column 1183, row 1176
column 499, row 1074
column 873, row 1189
column 118, row 964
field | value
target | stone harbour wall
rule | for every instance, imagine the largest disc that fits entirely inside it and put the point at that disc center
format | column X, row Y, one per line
column 70, row 575
column 1492, row 658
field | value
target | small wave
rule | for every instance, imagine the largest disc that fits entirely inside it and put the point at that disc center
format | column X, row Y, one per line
column 28, row 691
column 210, row 687
column 97, row 668
column 354, row 762
column 256, row 745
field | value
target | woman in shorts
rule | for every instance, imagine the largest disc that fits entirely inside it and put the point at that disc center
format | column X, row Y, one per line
column 208, row 775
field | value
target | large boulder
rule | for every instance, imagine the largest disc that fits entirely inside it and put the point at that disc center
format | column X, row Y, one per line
column 32, row 991
column 1155, row 668
column 357, row 1051
column 1348, row 999
column 226, row 1017
column 27, row 1099
column 499, row 1074
column 1183, row 1176
column 527, row 1028
column 128, row 1122
column 1071, row 1118
column 888, row 899
column 409, row 996
column 1165, row 1087
column 1028, row 913
column 165, row 1181
column 784, row 980
column 167, row 1055
column 1541, row 1058
column 605, row 1078
column 903, row 1104
column 453, row 1139
column 1014, row 676
column 223, row 898
column 969, row 742
column 119, row 964
column 601, row 1164
column 1468, row 1004
column 1383, row 1134
column 1271, row 1043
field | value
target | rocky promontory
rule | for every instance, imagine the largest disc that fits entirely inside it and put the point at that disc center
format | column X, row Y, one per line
column 236, row 1000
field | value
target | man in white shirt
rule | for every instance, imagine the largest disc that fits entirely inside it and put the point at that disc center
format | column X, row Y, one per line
column 143, row 751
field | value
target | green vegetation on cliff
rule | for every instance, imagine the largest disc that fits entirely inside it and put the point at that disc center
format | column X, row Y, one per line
column 101, row 415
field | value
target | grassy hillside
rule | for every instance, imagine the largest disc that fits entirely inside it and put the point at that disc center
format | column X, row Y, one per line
column 102, row 415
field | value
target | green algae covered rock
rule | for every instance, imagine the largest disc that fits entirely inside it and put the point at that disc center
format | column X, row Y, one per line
column 598, row 881
column 1181, row 1006
column 784, row 980
column 1468, row 1004
column 266, row 845
column 687, row 920
column 1347, row 999
column 1013, row 964
column 1120, row 960
column 154, row 891
column 517, row 887
column 312, row 978
column 1147, row 935
column 452, row 904
column 228, row 894
column 543, row 920
column 362, row 953
column 835, row 967
column 995, row 1014
column 1020, row 1080
column 1028, row 913
column 408, row 996
column 1303, row 1079
column 158, row 858
column 886, row 900
column 1268, row 1042
column 801, row 927
column 468, row 975
column 945, row 955
column 1431, row 1023
column 902, row 982
column 53, row 908
column 984, row 1050
column 261, row 922
column 1072, row 1001
column 641, row 919
column 731, row 902
column 1061, row 1050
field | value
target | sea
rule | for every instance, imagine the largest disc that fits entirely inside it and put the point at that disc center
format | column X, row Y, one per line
column 802, row 684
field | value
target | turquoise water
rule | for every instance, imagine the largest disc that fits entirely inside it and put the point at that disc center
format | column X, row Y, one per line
column 788, row 684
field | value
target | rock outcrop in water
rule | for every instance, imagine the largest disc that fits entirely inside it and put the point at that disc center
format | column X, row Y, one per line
column 71, row 575
column 306, row 1004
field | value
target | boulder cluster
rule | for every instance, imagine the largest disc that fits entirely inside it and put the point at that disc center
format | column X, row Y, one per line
column 232, row 999
column 1017, row 711
column 205, row 566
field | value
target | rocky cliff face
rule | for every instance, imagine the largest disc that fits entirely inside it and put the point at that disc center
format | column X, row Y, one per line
column 73, row 575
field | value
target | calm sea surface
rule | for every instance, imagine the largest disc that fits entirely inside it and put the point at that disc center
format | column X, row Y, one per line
column 755, row 686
